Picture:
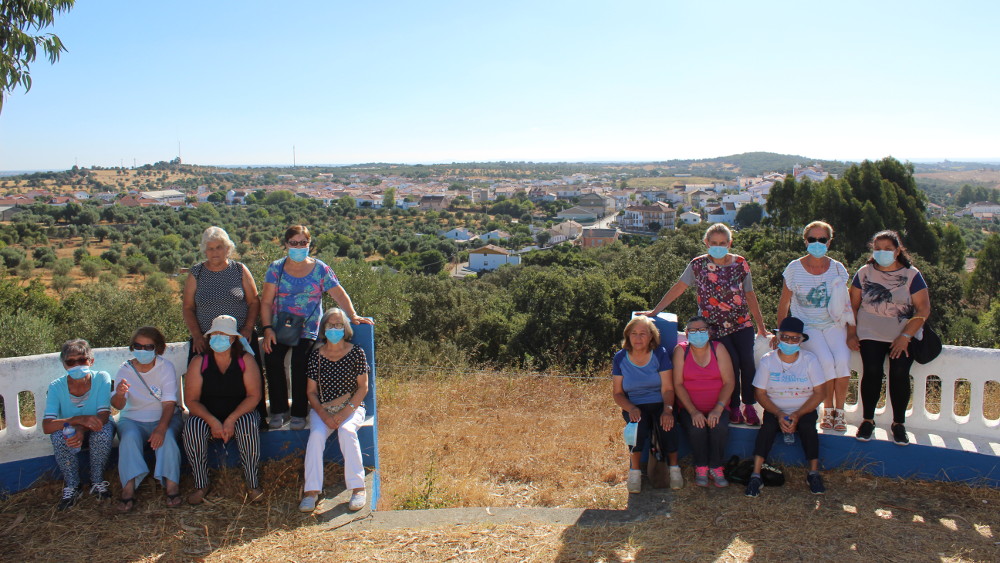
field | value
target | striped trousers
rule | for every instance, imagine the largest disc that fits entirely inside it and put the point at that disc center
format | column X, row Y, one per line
column 197, row 434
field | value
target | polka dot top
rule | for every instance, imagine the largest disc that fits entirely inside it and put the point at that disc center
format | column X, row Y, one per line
column 338, row 378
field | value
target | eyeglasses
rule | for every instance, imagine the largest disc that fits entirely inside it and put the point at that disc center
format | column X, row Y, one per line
column 698, row 331
column 338, row 326
column 790, row 339
column 146, row 347
column 823, row 240
column 73, row 362
column 297, row 243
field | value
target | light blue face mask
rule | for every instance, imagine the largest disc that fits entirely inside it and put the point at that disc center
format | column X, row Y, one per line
column 698, row 338
column 298, row 254
column 631, row 434
column 817, row 249
column 334, row 335
column 219, row 342
column 144, row 356
column 884, row 258
column 788, row 349
column 718, row 252
column 78, row 372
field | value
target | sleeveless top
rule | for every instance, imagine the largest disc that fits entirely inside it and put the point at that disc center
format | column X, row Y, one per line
column 219, row 293
column 702, row 383
column 221, row 392
column 721, row 297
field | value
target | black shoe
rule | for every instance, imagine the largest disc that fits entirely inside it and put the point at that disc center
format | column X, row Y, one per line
column 899, row 435
column 815, row 483
column 69, row 497
column 754, row 485
column 865, row 431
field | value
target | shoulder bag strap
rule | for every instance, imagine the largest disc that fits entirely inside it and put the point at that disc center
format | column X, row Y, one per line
column 143, row 380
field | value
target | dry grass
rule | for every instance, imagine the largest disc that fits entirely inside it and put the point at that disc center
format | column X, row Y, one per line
column 495, row 440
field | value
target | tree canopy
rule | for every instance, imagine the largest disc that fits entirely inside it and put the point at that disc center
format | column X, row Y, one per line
column 20, row 20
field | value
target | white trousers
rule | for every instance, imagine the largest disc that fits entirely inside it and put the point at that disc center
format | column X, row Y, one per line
column 830, row 347
column 350, row 448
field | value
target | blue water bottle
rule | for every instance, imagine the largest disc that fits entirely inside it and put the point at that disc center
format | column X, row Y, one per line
column 68, row 432
column 789, row 437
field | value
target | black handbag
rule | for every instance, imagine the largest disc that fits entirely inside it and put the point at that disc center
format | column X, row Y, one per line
column 288, row 326
column 927, row 348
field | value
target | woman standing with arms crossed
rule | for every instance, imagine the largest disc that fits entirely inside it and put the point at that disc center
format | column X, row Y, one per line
column 293, row 297
column 892, row 304
column 726, row 298
column 815, row 291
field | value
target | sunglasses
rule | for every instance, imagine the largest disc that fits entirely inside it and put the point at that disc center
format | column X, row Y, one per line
column 823, row 240
column 146, row 347
column 297, row 243
column 73, row 362
column 790, row 339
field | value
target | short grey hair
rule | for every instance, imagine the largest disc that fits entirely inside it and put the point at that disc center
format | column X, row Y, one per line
column 718, row 228
column 78, row 347
column 216, row 233
column 348, row 331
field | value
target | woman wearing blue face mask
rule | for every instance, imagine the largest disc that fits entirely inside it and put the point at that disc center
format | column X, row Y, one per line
column 291, row 307
column 790, row 384
column 726, row 298
column 148, row 395
column 221, row 390
column 78, row 410
column 337, row 384
column 891, row 300
column 815, row 291
column 703, row 384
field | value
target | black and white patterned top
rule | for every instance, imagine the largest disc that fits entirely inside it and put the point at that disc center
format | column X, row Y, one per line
column 336, row 379
column 219, row 293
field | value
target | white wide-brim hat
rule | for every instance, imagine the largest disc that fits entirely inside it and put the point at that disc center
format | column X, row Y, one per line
column 224, row 324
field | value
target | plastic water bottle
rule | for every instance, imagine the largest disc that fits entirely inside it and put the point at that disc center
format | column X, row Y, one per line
column 68, row 432
column 789, row 437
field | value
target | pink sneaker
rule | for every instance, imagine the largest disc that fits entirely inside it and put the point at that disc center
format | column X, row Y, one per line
column 701, row 476
column 734, row 415
column 750, row 415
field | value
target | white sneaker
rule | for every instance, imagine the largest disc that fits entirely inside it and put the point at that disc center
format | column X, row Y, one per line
column 676, row 479
column 298, row 423
column 308, row 503
column 634, row 483
column 278, row 420
column 357, row 501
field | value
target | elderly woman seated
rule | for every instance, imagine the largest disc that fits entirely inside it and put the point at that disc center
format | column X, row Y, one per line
column 221, row 390
column 337, row 375
column 77, row 411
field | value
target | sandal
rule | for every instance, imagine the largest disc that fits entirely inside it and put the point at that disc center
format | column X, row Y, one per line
column 839, row 424
column 253, row 495
column 126, row 505
column 828, row 417
column 197, row 496
column 174, row 500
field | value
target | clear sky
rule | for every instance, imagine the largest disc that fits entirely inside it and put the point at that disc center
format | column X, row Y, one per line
column 442, row 81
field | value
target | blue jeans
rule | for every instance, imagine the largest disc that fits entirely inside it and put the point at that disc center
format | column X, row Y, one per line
column 132, row 439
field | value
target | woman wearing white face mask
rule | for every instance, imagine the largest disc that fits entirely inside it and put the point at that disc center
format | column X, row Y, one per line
column 891, row 301
column 815, row 291
column 291, row 307
column 726, row 298
column 337, row 384
column 78, row 410
column 147, row 394
column 221, row 390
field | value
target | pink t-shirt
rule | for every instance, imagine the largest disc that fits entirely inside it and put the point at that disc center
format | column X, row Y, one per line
column 702, row 383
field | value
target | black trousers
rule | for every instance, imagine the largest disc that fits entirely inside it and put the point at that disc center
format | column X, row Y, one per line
column 740, row 347
column 277, row 384
column 873, row 355
column 255, row 347
column 708, row 445
column 806, row 430
column 669, row 441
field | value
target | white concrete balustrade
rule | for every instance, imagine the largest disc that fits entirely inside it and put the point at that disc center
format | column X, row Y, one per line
column 971, row 432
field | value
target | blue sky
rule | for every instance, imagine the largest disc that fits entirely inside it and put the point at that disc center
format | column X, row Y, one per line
column 443, row 81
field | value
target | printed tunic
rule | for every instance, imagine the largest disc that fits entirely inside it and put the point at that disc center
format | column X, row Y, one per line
column 721, row 293
column 336, row 379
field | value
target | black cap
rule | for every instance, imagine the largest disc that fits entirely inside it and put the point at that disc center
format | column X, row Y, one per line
column 792, row 324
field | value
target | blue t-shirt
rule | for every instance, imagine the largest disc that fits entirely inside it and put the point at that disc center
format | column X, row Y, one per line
column 642, row 383
column 302, row 296
column 60, row 404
